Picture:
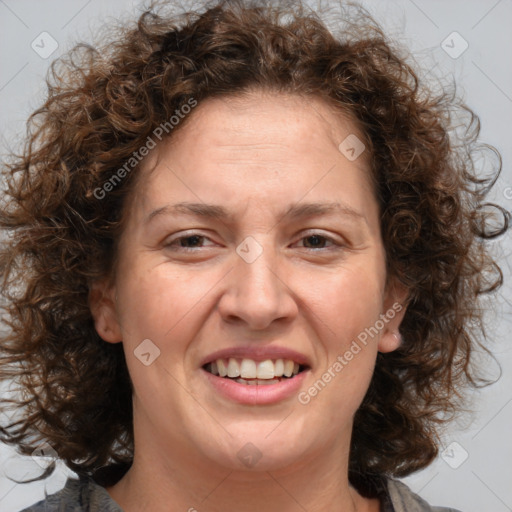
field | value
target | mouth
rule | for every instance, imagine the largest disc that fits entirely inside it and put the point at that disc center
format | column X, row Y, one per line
column 250, row 372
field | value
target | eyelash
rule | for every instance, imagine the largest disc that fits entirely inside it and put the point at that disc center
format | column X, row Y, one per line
column 199, row 235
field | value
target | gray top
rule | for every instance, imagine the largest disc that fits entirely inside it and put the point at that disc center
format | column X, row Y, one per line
column 85, row 495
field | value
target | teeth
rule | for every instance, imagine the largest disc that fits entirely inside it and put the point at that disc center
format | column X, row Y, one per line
column 288, row 368
column 249, row 369
column 266, row 382
column 233, row 368
column 265, row 370
column 278, row 368
column 253, row 382
column 221, row 367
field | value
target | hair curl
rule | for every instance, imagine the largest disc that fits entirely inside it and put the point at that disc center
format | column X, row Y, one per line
column 102, row 105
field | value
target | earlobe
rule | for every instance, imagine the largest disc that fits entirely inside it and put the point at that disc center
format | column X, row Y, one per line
column 389, row 341
column 103, row 310
column 395, row 307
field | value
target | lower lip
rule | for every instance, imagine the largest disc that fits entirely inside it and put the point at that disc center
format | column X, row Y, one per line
column 256, row 394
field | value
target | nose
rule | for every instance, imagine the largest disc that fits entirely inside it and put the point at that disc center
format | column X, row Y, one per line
column 257, row 294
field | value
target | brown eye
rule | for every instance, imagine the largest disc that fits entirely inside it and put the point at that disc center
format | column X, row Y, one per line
column 188, row 242
column 317, row 241
column 193, row 240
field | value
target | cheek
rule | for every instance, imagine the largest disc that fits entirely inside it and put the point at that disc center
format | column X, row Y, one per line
column 345, row 310
column 343, row 319
column 160, row 303
column 348, row 301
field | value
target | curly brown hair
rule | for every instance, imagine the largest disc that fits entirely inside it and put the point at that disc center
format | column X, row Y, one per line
column 74, row 390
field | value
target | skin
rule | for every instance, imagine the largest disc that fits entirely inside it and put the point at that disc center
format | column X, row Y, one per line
column 255, row 155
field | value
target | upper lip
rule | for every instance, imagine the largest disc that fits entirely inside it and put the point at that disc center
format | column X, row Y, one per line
column 258, row 353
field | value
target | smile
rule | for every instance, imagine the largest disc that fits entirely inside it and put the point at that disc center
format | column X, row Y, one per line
column 251, row 372
column 252, row 382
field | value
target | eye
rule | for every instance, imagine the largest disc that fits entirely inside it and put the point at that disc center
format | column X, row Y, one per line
column 195, row 241
column 188, row 242
column 317, row 241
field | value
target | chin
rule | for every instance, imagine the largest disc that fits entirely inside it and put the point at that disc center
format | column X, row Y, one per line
column 259, row 448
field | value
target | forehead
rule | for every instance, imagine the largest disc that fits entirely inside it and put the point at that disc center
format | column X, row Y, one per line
column 268, row 119
column 255, row 144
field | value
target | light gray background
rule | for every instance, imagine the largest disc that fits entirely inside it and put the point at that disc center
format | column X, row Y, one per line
column 482, row 482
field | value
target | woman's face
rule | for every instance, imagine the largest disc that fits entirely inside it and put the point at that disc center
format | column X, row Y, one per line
column 274, row 254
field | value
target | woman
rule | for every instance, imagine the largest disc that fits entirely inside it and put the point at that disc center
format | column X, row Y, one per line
column 247, row 261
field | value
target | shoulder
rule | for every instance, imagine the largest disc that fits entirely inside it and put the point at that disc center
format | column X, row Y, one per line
column 78, row 495
column 404, row 500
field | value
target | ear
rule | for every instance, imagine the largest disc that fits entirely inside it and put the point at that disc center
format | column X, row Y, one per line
column 394, row 308
column 102, row 304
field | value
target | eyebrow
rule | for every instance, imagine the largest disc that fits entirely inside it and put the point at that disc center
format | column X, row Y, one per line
column 220, row 213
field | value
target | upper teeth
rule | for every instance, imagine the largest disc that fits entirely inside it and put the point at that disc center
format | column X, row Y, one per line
column 249, row 369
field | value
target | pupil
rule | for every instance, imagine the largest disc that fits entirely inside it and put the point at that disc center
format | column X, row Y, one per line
column 316, row 238
column 195, row 238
